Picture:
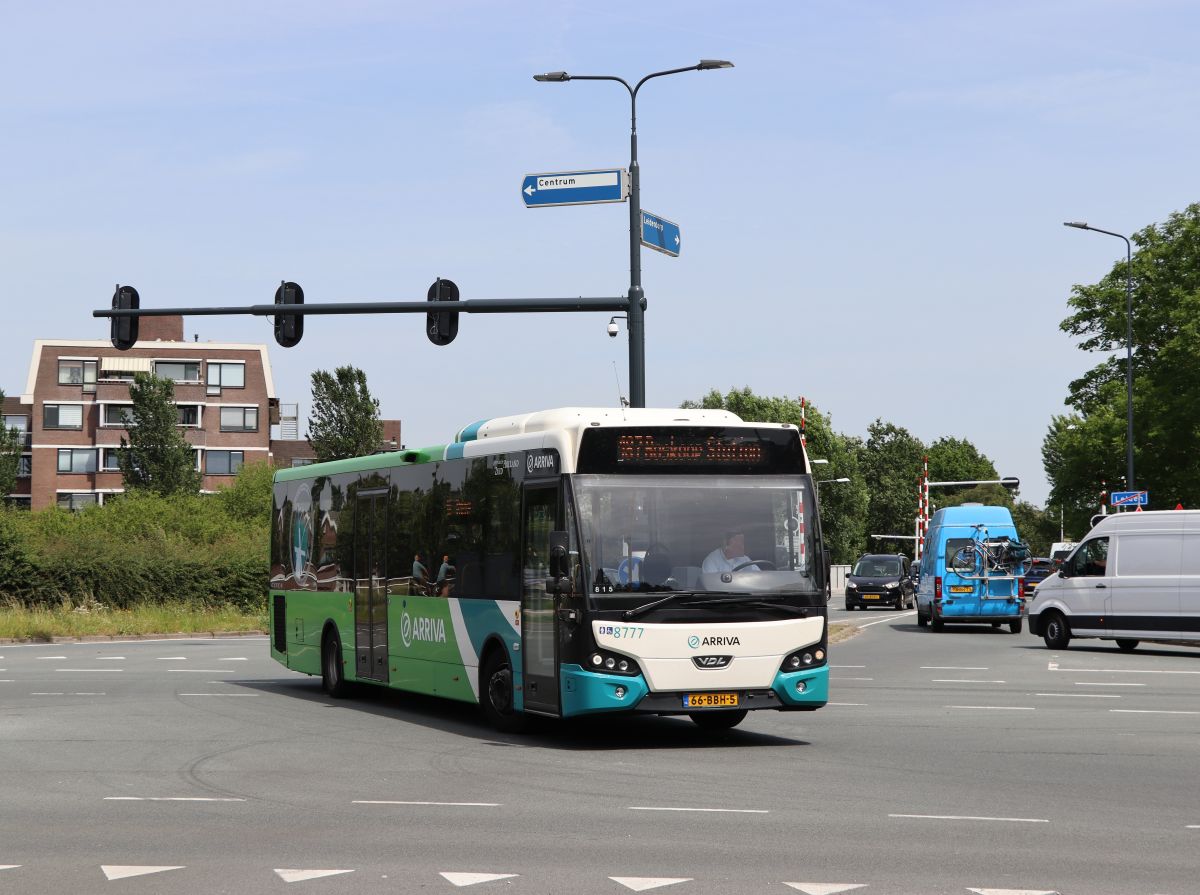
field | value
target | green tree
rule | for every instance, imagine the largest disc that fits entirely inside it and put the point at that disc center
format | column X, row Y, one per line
column 1037, row 527
column 844, row 505
column 344, row 421
column 10, row 458
column 156, row 458
column 891, row 460
column 1085, row 448
column 958, row 460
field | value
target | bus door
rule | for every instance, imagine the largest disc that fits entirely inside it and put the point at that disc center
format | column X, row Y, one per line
column 370, row 586
column 539, row 623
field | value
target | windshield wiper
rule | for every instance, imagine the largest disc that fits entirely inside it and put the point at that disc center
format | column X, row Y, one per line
column 654, row 604
column 745, row 599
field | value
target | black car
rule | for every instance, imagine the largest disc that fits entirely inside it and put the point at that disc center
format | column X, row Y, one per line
column 880, row 579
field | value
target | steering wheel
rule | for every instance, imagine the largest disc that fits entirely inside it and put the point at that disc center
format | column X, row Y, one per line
column 754, row 562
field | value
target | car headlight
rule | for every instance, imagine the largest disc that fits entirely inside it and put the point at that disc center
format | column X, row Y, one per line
column 850, row 585
column 892, row 584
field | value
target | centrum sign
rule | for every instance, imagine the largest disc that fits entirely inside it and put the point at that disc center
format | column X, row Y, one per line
column 575, row 188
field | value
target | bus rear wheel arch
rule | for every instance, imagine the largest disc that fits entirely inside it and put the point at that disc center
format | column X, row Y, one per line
column 333, row 672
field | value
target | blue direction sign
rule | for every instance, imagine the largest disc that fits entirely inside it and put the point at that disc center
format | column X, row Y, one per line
column 660, row 234
column 1130, row 498
column 575, row 188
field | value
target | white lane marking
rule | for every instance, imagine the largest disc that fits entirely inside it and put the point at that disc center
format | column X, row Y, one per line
column 962, row 680
column 856, row 678
column 1014, row 891
column 645, row 883
column 89, row 694
column 68, row 670
column 890, row 618
column 47, row 694
column 9, row 866
column 246, row 695
column 66, row 694
column 200, row 670
column 168, row 799
column 7, row 680
column 235, row 659
column 110, row 658
column 296, row 876
column 472, row 879
column 441, row 804
column 123, row 871
column 847, row 666
column 1084, row 695
column 1012, row 820
column 1151, row 712
column 1192, row 827
column 845, row 703
column 172, row 658
column 703, row 810
column 50, row 657
column 1104, row 684
column 1120, row 671
column 825, row 888
column 954, row 668
column 996, row 708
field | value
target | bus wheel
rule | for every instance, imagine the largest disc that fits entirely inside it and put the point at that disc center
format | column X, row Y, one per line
column 1055, row 631
column 1015, row 627
column 496, row 693
column 718, row 720
column 333, row 676
column 1127, row 645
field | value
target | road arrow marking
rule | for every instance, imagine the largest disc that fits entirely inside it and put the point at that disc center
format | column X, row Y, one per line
column 1013, row 891
column 9, row 866
column 123, row 871
column 471, row 879
column 825, row 888
column 298, row 876
column 645, row 883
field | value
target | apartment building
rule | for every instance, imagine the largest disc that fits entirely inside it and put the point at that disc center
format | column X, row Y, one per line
column 76, row 405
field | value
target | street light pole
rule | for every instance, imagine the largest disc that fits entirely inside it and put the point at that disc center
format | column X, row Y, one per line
column 637, row 296
column 1081, row 225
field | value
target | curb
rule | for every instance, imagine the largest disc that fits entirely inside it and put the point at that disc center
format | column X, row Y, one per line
column 109, row 638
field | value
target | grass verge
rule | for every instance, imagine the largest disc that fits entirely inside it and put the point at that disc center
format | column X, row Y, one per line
column 45, row 624
column 839, row 632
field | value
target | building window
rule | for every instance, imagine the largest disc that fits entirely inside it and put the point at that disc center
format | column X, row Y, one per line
column 21, row 424
column 302, row 461
column 25, row 466
column 76, row 460
column 189, row 414
column 118, row 415
column 110, row 460
column 78, row 372
column 177, row 371
column 239, row 419
column 20, row 501
column 224, row 462
column 225, row 375
column 196, row 457
column 62, row 416
column 77, row 501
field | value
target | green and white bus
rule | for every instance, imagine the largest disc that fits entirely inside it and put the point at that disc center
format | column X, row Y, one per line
column 563, row 563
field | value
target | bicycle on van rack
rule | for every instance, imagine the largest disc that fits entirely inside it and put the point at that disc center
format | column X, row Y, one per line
column 987, row 558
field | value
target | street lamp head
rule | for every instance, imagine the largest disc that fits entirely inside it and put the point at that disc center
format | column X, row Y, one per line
column 1078, row 225
column 553, row 76
column 708, row 64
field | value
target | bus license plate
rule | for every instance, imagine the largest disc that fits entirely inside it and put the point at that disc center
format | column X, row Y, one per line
column 961, row 589
column 710, row 700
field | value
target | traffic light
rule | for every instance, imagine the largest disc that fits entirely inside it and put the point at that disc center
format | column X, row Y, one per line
column 289, row 328
column 124, row 330
column 442, row 326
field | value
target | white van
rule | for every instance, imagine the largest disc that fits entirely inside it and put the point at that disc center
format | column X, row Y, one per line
column 1135, row 577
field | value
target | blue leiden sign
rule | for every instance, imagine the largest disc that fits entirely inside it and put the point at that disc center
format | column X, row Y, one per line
column 1130, row 498
column 660, row 234
column 575, row 188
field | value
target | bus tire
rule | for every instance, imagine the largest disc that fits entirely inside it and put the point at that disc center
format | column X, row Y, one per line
column 333, row 674
column 1015, row 627
column 1055, row 631
column 496, row 693
column 1127, row 645
column 718, row 720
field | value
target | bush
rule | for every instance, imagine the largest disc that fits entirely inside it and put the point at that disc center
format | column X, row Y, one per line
column 203, row 551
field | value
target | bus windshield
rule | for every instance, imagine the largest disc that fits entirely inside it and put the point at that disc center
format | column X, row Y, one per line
column 698, row 534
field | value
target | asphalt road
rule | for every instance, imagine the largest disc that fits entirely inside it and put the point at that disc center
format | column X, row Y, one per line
column 968, row 760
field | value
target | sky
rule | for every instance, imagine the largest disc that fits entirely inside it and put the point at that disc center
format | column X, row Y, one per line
column 871, row 201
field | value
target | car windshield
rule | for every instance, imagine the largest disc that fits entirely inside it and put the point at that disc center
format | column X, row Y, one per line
column 877, row 568
column 696, row 534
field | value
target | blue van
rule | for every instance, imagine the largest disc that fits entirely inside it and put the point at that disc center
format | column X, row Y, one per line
column 972, row 569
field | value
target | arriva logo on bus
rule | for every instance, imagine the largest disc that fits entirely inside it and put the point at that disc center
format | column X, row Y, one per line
column 695, row 641
column 430, row 630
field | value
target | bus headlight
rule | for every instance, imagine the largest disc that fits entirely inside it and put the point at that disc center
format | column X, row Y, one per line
column 612, row 662
column 809, row 657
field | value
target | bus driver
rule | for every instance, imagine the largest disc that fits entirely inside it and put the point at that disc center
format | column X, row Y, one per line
column 730, row 555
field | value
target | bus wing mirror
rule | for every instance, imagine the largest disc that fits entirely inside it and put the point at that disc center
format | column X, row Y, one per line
column 559, row 544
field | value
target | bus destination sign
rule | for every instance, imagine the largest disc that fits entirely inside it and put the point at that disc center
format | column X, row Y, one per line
column 683, row 449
